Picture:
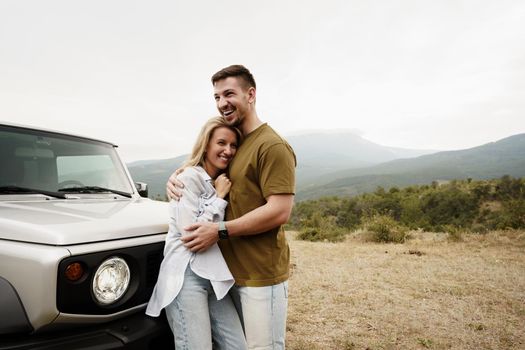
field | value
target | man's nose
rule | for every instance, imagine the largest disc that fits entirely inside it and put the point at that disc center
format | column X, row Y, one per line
column 221, row 102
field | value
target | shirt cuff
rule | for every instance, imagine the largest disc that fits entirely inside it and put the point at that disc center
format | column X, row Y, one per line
column 220, row 203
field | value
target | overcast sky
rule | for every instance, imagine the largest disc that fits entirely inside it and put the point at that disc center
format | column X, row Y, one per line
column 414, row 74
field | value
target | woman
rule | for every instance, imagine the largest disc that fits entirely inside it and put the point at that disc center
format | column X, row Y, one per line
column 193, row 287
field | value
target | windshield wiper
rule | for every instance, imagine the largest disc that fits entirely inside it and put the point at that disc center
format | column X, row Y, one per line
column 94, row 189
column 18, row 190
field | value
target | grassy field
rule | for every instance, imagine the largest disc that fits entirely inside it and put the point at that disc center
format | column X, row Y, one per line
column 429, row 293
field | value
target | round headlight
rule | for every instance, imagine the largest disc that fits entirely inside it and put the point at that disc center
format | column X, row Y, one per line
column 111, row 280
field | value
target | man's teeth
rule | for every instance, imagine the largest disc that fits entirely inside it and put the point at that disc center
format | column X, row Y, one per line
column 227, row 113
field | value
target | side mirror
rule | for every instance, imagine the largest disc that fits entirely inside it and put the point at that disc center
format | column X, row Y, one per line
column 142, row 189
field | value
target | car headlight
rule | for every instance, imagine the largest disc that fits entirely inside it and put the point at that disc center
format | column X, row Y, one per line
column 111, row 280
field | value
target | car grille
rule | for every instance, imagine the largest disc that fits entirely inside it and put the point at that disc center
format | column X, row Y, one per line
column 153, row 261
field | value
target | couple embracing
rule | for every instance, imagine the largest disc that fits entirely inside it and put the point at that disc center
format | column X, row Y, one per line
column 224, row 277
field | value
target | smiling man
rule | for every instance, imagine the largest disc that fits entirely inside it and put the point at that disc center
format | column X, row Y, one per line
column 252, row 239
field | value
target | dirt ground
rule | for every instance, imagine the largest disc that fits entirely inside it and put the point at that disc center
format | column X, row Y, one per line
column 428, row 293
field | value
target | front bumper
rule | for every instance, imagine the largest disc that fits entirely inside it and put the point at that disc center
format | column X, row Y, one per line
column 137, row 331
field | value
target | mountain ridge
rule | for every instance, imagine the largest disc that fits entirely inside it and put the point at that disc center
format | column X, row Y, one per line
column 490, row 160
column 347, row 164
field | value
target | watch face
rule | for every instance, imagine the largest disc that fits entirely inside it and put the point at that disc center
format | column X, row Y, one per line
column 223, row 234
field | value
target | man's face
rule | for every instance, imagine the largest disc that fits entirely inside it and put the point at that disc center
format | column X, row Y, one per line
column 233, row 102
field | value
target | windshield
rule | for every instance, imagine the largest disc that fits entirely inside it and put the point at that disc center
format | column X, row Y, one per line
column 52, row 162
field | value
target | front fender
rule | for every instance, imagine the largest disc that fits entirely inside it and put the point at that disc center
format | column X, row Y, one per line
column 13, row 315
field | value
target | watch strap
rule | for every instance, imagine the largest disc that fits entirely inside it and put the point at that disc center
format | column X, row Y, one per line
column 223, row 231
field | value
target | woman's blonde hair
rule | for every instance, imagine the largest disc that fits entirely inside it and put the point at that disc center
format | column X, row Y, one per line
column 199, row 149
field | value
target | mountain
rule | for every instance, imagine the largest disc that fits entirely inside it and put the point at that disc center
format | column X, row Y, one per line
column 342, row 163
column 155, row 173
column 492, row 160
column 318, row 153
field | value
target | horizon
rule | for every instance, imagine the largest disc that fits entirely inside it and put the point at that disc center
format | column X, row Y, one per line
column 334, row 131
column 411, row 75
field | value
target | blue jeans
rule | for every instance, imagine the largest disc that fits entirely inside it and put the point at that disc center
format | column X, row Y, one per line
column 263, row 312
column 196, row 317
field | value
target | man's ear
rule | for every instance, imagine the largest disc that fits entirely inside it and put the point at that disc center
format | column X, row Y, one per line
column 251, row 95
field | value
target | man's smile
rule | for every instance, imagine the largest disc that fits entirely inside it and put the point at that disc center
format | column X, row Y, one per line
column 228, row 112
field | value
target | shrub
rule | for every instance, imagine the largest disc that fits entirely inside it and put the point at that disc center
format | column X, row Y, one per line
column 454, row 234
column 479, row 228
column 328, row 234
column 449, row 207
column 469, row 205
column 321, row 228
column 411, row 215
column 349, row 214
column 383, row 228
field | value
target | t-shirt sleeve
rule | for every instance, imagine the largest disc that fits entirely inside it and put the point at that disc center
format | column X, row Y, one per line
column 277, row 170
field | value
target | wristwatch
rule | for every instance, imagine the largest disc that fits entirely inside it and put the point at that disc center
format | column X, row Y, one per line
column 223, row 231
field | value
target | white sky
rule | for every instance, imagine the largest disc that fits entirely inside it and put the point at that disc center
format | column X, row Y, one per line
column 446, row 74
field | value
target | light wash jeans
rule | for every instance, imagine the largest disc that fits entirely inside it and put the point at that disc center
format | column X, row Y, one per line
column 263, row 312
column 196, row 317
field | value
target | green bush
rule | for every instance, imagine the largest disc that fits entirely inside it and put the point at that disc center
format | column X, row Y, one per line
column 326, row 234
column 321, row 228
column 449, row 207
column 466, row 205
column 412, row 215
column 510, row 215
column 349, row 214
column 383, row 228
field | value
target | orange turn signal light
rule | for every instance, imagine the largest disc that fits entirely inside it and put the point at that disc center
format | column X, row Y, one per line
column 74, row 271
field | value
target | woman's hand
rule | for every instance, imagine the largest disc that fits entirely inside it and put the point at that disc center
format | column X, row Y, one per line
column 222, row 185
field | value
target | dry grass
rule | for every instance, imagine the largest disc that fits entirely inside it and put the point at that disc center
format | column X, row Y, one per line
column 429, row 293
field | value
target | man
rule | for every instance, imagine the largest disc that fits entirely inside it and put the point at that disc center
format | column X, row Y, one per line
column 252, row 241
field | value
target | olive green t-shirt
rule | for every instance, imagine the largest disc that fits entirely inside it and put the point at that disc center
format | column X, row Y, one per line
column 264, row 165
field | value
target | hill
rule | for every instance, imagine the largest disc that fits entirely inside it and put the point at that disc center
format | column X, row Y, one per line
column 321, row 153
column 155, row 173
column 492, row 160
column 342, row 163
column 318, row 153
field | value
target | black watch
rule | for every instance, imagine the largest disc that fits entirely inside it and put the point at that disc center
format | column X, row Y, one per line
column 223, row 231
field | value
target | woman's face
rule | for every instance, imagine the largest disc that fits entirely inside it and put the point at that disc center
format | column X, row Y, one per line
column 220, row 150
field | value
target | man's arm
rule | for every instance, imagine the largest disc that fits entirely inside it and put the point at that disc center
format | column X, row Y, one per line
column 274, row 213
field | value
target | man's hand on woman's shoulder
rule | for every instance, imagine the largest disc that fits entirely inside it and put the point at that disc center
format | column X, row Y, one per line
column 174, row 186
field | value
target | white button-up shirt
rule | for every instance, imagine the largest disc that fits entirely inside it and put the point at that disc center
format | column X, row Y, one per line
column 199, row 202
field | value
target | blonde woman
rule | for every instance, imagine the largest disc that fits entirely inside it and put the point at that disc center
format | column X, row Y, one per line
column 193, row 287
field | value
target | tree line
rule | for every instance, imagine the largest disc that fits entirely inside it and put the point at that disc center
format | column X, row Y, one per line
column 467, row 205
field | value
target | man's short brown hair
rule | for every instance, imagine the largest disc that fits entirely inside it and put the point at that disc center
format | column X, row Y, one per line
column 237, row 71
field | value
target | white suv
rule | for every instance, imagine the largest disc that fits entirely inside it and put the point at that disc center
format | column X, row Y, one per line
column 80, row 248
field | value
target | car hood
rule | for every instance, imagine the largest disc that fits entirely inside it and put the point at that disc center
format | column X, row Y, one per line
column 76, row 221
